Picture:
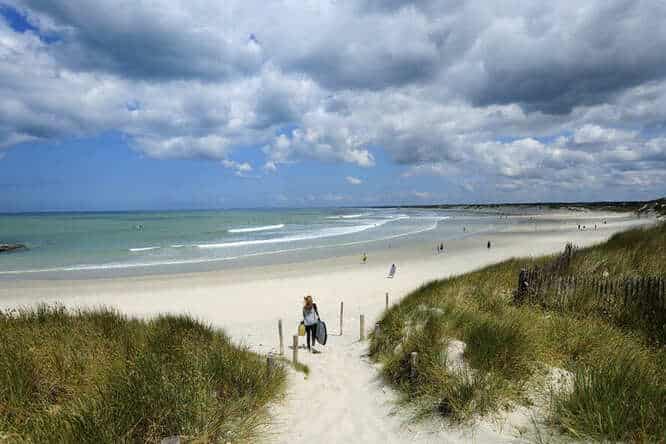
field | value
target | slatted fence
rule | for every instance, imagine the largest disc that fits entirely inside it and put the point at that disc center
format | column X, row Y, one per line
column 551, row 286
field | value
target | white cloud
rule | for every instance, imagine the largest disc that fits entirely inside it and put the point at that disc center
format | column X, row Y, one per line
column 595, row 134
column 353, row 180
column 270, row 166
column 422, row 194
column 240, row 168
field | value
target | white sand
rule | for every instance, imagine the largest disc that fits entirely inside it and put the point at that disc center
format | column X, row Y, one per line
column 342, row 401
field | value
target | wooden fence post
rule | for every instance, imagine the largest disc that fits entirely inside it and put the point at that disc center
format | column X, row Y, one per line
column 281, row 337
column 362, row 328
column 270, row 364
column 342, row 305
column 378, row 330
column 412, row 364
column 387, row 304
column 522, row 286
column 295, row 353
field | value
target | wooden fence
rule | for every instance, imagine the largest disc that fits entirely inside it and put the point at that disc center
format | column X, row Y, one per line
column 633, row 301
column 639, row 301
column 551, row 286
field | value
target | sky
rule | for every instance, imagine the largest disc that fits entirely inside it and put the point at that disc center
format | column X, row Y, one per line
column 179, row 104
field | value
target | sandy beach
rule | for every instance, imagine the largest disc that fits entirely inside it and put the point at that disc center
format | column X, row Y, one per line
column 341, row 400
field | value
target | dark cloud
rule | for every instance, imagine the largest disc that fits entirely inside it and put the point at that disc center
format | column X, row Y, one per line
column 571, row 59
column 140, row 42
column 367, row 68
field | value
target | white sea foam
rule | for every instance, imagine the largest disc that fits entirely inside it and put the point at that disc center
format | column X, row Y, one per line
column 253, row 229
column 326, row 232
column 348, row 216
column 323, row 233
column 134, row 250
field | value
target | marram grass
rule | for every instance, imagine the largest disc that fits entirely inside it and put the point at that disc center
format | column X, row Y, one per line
column 98, row 376
column 618, row 387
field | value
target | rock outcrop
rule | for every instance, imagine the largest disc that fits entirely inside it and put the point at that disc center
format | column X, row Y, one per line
column 5, row 248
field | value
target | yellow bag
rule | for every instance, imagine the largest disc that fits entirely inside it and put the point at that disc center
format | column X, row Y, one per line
column 301, row 329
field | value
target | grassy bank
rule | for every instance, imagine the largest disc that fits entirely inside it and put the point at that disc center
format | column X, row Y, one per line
column 97, row 376
column 611, row 383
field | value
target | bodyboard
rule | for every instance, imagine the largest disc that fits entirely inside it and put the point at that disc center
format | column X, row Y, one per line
column 322, row 335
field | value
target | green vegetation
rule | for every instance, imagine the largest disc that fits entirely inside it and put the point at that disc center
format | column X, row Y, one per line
column 97, row 376
column 616, row 388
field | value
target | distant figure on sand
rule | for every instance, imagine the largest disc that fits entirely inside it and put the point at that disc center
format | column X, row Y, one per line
column 392, row 271
column 441, row 247
column 364, row 258
column 489, row 245
column 310, row 318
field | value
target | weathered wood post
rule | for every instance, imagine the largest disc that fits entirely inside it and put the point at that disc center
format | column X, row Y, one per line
column 342, row 306
column 362, row 328
column 412, row 364
column 378, row 330
column 295, row 352
column 522, row 286
column 387, row 305
column 281, row 337
column 270, row 364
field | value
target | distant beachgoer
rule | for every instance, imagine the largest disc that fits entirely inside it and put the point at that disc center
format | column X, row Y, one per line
column 579, row 227
column 364, row 258
column 310, row 319
column 489, row 245
column 595, row 227
column 464, row 229
column 441, row 248
column 392, row 271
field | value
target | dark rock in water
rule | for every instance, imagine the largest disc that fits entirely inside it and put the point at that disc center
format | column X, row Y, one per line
column 4, row 248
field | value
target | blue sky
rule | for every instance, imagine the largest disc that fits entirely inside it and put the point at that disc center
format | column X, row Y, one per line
column 252, row 104
column 104, row 173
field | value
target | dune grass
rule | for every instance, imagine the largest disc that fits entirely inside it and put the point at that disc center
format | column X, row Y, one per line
column 98, row 376
column 617, row 389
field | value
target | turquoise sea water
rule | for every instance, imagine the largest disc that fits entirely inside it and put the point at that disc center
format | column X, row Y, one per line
column 61, row 244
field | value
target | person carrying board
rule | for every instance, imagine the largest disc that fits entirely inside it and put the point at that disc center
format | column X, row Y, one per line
column 310, row 320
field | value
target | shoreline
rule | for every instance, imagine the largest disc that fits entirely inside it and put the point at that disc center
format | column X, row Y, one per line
column 418, row 250
column 289, row 258
column 220, row 296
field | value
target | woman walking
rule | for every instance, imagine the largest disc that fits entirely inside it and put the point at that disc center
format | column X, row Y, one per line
column 310, row 319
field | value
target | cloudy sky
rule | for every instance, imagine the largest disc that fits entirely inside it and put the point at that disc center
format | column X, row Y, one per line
column 128, row 104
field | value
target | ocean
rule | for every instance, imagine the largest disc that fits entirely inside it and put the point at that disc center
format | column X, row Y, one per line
column 70, row 245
